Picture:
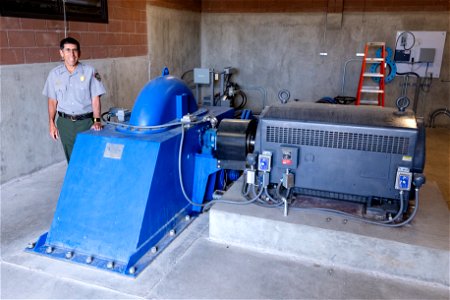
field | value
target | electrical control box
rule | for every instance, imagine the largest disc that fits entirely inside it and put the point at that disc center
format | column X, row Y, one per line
column 265, row 161
column 402, row 56
column 420, row 52
column 288, row 180
column 289, row 157
column 201, row 76
column 426, row 55
column 251, row 177
column 403, row 179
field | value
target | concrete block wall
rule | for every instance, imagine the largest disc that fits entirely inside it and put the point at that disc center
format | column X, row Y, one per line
column 24, row 40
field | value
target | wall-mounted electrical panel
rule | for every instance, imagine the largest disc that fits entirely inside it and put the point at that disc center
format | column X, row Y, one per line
column 420, row 52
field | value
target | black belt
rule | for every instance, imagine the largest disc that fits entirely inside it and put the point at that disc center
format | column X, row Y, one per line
column 76, row 117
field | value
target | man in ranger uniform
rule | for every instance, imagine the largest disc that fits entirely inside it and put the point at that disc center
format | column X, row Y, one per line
column 73, row 90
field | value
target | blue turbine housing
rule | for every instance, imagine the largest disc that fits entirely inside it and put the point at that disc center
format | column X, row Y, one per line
column 162, row 100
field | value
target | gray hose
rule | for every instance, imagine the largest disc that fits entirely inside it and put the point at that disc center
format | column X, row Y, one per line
column 266, row 192
column 166, row 125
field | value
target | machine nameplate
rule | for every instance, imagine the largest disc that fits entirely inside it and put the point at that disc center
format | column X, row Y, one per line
column 113, row 151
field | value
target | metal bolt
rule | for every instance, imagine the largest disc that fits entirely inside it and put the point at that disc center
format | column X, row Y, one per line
column 345, row 221
column 187, row 218
column 132, row 270
column 110, row 265
column 69, row 254
column 330, row 272
column 172, row 232
column 328, row 219
column 154, row 249
column 31, row 245
column 49, row 249
column 89, row 260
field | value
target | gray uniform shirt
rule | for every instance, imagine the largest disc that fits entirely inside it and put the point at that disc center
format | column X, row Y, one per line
column 74, row 92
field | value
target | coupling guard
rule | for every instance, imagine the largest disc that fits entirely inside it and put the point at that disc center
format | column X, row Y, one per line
column 235, row 138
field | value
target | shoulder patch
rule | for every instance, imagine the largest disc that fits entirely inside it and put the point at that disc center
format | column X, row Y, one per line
column 97, row 76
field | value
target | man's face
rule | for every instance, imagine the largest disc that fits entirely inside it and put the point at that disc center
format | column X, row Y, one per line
column 70, row 54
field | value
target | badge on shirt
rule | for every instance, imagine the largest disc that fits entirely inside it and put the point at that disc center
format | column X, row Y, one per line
column 82, row 78
column 97, row 76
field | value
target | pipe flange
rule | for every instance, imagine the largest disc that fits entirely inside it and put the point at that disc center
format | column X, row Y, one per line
column 391, row 67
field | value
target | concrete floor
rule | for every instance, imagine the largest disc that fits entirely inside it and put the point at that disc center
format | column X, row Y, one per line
column 193, row 266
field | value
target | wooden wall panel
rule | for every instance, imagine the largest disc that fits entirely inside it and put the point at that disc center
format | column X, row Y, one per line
column 191, row 5
column 268, row 6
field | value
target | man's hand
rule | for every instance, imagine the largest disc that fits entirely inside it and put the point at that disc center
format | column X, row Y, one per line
column 97, row 126
column 53, row 131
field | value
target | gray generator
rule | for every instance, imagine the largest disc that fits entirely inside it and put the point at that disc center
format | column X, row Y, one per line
column 351, row 153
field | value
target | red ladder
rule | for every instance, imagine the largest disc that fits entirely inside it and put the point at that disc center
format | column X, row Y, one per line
column 371, row 85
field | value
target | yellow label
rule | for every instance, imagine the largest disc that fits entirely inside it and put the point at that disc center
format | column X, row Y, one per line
column 407, row 158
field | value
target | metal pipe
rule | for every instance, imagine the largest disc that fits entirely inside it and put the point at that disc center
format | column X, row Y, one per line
column 417, row 91
column 438, row 112
column 345, row 71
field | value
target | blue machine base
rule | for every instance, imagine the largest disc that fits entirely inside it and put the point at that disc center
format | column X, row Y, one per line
column 121, row 198
column 168, row 232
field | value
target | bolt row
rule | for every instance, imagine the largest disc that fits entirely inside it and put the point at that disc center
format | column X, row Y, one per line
column 110, row 264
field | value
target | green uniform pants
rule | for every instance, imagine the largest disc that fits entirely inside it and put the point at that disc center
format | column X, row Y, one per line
column 68, row 131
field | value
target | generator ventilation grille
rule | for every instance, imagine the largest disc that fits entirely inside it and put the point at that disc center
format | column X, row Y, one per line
column 338, row 140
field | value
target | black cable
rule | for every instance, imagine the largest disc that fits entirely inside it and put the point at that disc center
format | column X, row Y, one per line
column 243, row 102
column 408, row 73
column 216, row 99
column 422, row 80
column 426, row 81
column 103, row 115
column 186, row 72
column 400, row 35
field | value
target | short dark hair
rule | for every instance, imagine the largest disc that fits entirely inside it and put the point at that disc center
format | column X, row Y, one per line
column 69, row 40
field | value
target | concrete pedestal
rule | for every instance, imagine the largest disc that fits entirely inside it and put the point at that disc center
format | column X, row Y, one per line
column 417, row 251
